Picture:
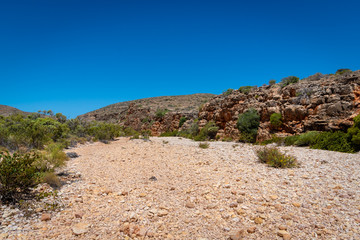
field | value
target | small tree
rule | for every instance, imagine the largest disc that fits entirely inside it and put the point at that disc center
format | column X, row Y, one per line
column 275, row 119
column 17, row 175
column 248, row 124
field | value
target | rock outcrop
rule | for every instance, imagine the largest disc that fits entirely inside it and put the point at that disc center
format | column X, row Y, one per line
column 325, row 104
column 142, row 114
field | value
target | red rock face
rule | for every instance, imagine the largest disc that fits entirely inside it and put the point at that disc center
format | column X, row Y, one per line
column 326, row 104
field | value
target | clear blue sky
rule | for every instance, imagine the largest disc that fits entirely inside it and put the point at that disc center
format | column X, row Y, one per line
column 75, row 56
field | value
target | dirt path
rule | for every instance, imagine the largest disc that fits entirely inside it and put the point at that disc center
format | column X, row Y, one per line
column 169, row 188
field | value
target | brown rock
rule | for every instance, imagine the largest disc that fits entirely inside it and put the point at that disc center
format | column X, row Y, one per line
column 282, row 227
column 273, row 197
column 278, row 207
column 258, row 220
column 45, row 217
column 162, row 213
column 251, row 230
column 286, row 217
column 233, row 205
column 284, row 234
column 237, row 235
column 190, row 205
column 296, row 204
column 240, row 200
column 79, row 215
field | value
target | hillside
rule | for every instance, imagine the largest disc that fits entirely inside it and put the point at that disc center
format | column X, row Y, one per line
column 141, row 114
column 319, row 102
column 7, row 110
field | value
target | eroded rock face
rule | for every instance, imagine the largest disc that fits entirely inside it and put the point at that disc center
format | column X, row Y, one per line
column 329, row 103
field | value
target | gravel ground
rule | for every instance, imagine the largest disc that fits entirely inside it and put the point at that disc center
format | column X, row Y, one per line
column 169, row 188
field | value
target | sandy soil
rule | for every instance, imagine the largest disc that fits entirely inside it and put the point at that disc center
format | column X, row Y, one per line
column 169, row 188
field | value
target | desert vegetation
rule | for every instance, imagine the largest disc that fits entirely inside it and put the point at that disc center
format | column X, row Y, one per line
column 32, row 148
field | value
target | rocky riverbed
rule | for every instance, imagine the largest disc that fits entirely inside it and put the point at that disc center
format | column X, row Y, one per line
column 169, row 188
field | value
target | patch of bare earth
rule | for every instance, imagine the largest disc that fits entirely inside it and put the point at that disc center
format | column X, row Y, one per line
column 169, row 188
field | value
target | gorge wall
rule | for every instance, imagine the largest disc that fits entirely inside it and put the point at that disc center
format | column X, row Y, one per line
column 323, row 103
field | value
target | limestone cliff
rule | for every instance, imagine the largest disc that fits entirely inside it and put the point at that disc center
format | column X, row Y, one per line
column 326, row 102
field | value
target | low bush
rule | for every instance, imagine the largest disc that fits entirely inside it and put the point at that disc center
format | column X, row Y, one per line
column 276, row 119
column 290, row 140
column 104, row 131
column 182, row 121
column 17, row 175
column 274, row 158
column 334, row 141
column 204, row 145
column 51, row 157
column 170, row 134
column 306, row 139
column 272, row 82
column 245, row 89
column 248, row 124
column 342, row 71
column 160, row 113
column 52, row 179
column 228, row 92
column 289, row 80
column 209, row 131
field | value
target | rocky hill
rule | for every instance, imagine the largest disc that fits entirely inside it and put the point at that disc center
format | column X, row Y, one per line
column 319, row 102
column 7, row 110
column 159, row 114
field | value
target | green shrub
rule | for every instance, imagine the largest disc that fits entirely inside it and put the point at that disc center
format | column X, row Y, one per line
column 342, row 71
column 306, row 139
column 17, row 175
column 290, row 140
column 170, row 134
column 160, row 113
column 104, row 131
column 209, row 131
column 131, row 132
column 272, row 82
column 228, row 92
column 274, row 139
column 182, row 121
column 204, row 145
column 248, row 124
column 289, row 80
column 334, row 141
column 245, row 89
column 52, row 179
column 51, row 157
column 275, row 119
column 274, row 158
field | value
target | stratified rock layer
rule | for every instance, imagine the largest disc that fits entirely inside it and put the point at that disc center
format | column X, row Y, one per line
column 329, row 103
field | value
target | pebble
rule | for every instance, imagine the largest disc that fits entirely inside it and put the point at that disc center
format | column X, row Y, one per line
column 190, row 205
column 286, row 217
column 45, row 217
column 284, row 234
column 237, row 235
column 233, row 205
column 80, row 228
column 162, row 213
column 251, row 230
column 274, row 197
column 258, row 220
